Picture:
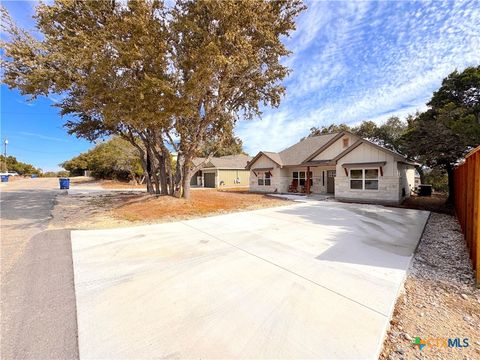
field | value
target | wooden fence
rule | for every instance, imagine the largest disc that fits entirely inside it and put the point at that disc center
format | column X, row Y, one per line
column 467, row 205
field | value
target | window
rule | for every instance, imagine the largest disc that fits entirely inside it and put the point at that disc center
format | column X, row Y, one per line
column 371, row 179
column 345, row 142
column 300, row 176
column 267, row 178
column 264, row 178
column 356, row 179
column 364, row 179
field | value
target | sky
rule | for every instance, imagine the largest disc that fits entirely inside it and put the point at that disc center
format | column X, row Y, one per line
column 351, row 61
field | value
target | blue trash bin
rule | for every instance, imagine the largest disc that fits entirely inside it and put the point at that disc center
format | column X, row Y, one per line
column 4, row 178
column 34, row 176
column 64, row 183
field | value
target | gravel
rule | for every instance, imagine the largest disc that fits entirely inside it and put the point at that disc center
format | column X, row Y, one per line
column 440, row 299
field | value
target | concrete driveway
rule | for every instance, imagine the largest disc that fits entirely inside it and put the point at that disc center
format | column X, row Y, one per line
column 308, row 280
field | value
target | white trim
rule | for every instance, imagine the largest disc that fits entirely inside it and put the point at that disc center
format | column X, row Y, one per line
column 264, row 178
column 363, row 179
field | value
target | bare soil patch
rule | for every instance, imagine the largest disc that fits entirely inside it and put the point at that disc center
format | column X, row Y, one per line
column 440, row 298
column 116, row 209
column 203, row 202
column 114, row 184
column 88, row 211
column 435, row 203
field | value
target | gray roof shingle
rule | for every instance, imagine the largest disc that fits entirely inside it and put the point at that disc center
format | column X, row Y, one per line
column 300, row 151
column 226, row 162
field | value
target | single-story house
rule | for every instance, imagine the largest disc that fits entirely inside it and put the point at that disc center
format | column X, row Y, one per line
column 342, row 164
column 222, row 172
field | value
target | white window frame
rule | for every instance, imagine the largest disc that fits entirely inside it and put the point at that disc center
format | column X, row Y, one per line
column 363, row 178
column 264, row 177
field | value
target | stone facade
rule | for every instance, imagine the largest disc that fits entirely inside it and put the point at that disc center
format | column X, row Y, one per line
column 395, row 177
column 388, row 190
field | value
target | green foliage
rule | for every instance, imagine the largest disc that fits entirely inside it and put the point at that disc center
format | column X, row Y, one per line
column 13, row 165
column 56, row 174
column 77, row 165
column 443, row 134
column 388, row 134
column 329, row 129
column 230, row 146
column 112, row 159
column 438, row 178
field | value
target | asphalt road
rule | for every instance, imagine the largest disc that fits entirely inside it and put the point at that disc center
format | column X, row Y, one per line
column 38, row 314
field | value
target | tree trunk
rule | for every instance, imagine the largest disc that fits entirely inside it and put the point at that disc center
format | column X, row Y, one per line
column 421, row 173
column 153, row 172
column 178, row 182
column 187, row 176
column 148, row 174
column 186, row 188
column 163, row 177
column 451, row 184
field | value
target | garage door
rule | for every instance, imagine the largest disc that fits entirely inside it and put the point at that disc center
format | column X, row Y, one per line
column 209, row 180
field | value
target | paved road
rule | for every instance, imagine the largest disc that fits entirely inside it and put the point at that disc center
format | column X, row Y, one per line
column 38, row 315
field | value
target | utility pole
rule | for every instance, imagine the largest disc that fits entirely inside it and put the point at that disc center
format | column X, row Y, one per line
column 5, row 143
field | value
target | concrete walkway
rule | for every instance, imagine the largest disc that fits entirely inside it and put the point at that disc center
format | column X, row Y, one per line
column 309, row 280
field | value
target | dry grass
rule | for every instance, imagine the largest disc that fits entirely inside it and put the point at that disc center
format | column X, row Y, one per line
column 203, row 202
column 114, row 184
column 240, row 189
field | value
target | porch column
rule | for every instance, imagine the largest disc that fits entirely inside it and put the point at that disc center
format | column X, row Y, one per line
column 308, row 179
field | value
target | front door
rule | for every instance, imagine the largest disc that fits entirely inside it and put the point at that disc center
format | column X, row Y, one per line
column 331, row 181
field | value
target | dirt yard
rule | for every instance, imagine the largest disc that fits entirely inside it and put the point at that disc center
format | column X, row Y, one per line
column 435, row 203
column 440, row 299
column 108, row 209
column 113, row 184
column 203, row 202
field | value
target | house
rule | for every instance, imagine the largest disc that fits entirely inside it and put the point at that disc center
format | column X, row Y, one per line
column 222, row 172
column 342, row 164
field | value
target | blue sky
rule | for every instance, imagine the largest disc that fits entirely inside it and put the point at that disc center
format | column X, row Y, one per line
column 351, row 61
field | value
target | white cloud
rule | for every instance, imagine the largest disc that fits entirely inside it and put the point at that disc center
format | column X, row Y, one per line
column 44, row 137
column 359, row 61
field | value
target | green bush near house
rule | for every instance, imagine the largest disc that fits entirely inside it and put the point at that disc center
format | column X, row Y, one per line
column 438, row 178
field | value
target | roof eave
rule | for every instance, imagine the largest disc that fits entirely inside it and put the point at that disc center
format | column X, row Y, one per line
column 256, row 157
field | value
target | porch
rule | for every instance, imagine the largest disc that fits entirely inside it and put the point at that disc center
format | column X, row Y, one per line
column 311, row 179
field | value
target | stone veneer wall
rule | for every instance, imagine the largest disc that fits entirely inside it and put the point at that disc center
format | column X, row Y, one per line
column 388, row 190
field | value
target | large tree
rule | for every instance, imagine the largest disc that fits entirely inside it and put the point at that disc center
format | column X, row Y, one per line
column 162, row 78
column 229, row 146
column 115, row 158
column 227, row 61
column 444, row 133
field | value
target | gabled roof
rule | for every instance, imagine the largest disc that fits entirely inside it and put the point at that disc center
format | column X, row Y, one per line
column 327, row 144
column 298, row 152
column 275, row 157
column 303, row 152
column 225, row 162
